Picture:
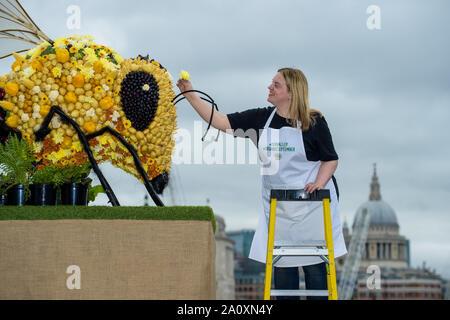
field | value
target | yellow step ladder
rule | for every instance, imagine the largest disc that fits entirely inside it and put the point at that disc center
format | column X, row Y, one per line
column 315, row 248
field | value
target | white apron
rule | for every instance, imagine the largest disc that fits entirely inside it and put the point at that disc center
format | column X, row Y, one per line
column 284, row 166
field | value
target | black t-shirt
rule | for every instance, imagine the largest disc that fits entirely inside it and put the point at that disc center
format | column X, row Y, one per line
column 317, row 139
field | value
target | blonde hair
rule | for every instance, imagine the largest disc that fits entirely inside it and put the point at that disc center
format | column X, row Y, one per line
column 299, row 108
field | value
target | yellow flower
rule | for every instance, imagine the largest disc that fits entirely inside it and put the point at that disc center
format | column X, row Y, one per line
column 7, row 105
column 118, row 58
column 109, row 80
column 12, row 88
column 76, row 146
column 73, row 161
column 185, row 75
column 78, row 80
column 62, row 55
column 64, row 162
column 91, row 56
column 67, row 142
column 127, row 124
column 106, row 103
column 60, row 154
column 89, row 127
column 52, row 157
column 57, row 137
column 60, row 42
column 44, row 98
column 36, row 65
column 73, row 49
column 98, row 89
column 98, row 66
column 44, row 110
column 16, row 65
column 70, row 97
column 73, row 63
column 103, row 140
column 86, row 71
column 56, row 72
column 37, row 146
column 44, row 57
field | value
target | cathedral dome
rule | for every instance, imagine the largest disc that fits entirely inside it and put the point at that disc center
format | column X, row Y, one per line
column 381, row 213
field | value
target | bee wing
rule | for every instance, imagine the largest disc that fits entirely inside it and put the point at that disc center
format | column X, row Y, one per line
column 18, row 32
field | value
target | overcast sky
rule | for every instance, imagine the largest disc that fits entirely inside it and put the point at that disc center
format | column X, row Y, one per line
column 384, row 93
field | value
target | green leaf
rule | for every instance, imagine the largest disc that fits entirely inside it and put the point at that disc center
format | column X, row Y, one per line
column 16, row 162
column 94, row 191
column 49, row 50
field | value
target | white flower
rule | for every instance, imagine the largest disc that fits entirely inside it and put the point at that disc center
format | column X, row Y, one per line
column 28, row 72
column 56, row 122
column 25, row 117
column 115, row 116
column 36, row 107
column 37, row 145
column 89, row 100
column 97, row 148
column 48, row 87
column 36, row 89
column 90, row 112
column 73, row 73
column 21, row 98
column 53, row 95
column 105, row 87
column 36, row 115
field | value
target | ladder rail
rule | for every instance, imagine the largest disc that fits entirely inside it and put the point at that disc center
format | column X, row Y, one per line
column 326, row 254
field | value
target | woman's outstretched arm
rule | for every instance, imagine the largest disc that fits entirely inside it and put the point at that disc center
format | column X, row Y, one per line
column 219, row 121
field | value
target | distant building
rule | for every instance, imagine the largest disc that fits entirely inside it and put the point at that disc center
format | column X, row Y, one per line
column 224, row 262
column 387, row 249
column 248, row 274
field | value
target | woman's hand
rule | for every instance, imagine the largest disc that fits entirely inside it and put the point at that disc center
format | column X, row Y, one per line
column 312, row 186
column 184, row 85
column 326, row 170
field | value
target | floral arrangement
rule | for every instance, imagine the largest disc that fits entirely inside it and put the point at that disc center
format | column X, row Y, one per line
column 96, row 87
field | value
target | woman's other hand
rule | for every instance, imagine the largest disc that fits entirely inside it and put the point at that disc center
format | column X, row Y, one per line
column 312, row 186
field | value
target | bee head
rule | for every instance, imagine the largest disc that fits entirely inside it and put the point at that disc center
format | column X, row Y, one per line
column 146, row 96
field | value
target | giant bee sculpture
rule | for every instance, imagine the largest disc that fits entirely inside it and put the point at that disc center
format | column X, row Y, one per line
column 78, row 101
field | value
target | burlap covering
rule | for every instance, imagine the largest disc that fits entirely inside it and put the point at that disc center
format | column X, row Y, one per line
column 118, row 259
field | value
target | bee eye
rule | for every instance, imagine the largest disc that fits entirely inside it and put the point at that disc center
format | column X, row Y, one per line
column 139, row 95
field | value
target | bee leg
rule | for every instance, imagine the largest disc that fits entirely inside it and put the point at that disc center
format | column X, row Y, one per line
column 137, row 162
column 43, row 131
column 6, row 130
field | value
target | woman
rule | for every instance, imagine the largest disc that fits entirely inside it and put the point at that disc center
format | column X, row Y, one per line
column 297, row 140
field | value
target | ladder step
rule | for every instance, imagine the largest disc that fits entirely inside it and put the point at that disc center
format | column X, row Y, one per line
column 300, row 252
column 309, row 243
column 316, row 293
